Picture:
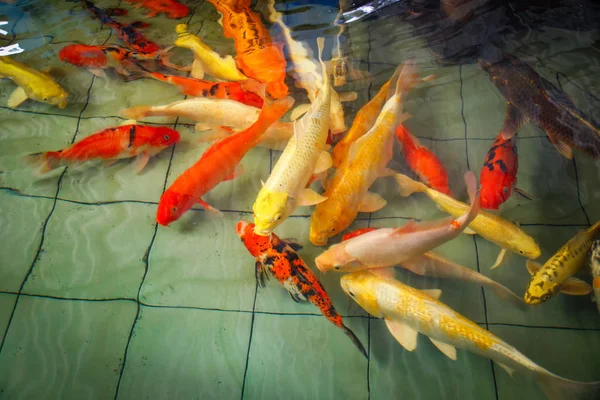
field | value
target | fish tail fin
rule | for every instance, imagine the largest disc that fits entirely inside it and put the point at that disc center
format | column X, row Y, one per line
column 274, row 109
column 137, row 112
column 470, row 215
column 355, row 340
column 508, row 295
column 407, row 78
column 408, row 186
column 557, row 388
column 324, row 73
column 46, row 162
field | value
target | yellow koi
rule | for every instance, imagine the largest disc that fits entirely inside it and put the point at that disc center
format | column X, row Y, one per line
column 206, row 60
column 556, row 275
column 489, row 226
column 33, row 84
column 408, row 312
column 304, row 155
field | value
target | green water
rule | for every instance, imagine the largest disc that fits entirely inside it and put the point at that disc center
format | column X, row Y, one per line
column 97, row 301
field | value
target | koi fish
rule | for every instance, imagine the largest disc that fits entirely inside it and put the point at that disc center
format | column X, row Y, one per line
column 111, row 144
column 498, row 175
column 408, row 312
column 206, row 60
column 217, row 164
column 348, row 192
column 423, row 162
column 556, row 275
column 258, row 56
column 531, row 98
column 278, row 258
column 275, row 138
column 31, row 84
column 172, row 8
column 387, row 247
column 434, row 265
column 303, row 156
column 489, row 226
column 595, row 266
column 127, row 33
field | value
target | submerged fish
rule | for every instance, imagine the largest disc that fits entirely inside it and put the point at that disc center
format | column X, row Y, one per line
column 32, row 84
column 172, row 8
column 408, row 312
column 556, row 275
column 111, row 144
column 220, row 162
column 423, row 161
column 531, row 98
column 489, row 226
column 387, row 247
column 304, row 155
column 348, row 192
column 595, row 266
column 278, row 258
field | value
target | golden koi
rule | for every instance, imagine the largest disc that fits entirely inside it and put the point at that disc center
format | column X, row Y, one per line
column 556, row 275
column 489, row 226
column 32, row 84
column 304, row 155
column 408, row 312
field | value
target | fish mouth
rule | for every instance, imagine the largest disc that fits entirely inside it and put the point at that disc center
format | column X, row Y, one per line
column 318, row 240
column 262, row 232
column 532, row 300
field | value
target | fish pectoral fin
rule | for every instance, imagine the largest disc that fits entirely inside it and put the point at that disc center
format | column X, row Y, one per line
column 469, row 231
column 435, row 293
column 404, row 334
column 502, row 257
column 238, row 171
column 297, row 298
column 210, row 209
column 98, row 72
column 128, row 122
column 323, row 163
column 387, row 272
column 299, row 111
column 261, row 273
column 347, row 96
column 309, row 197
column 532, row 267
column 387, row 172
column 513, row 121
column 293, row 243
column 371, row 202
column 575, row 287
column 200, row 127
column 140, row 162
column 448, row 350
column 508, row 369
column 562, row 147
column 108, row 163
column 17, row 97
column 522, row 193
column 197, row 69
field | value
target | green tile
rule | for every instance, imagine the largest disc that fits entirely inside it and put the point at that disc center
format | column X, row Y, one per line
column 93, row 182
column 65, row 349
column 588, row 172
column 23, row 134
column 304, row 356
column 170, row 352
column 568, row 353
column 274, row 298
column 425, row 373
column 562, row 310
column 7, row 302
column 93, row 251
column 21, row 219
column 200, row 262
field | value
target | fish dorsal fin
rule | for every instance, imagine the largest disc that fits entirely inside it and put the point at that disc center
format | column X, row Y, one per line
column 508, row 369
column 323, row 163
column 425, row 225
column 299, row 128
column 404, row 334
column 575, row 287
column 533, row 267
column 448, row 350
column 513, row 122
column 371, row 202
column 409, row 227
column 309, row 197
column 435, row 293
column 355, row 146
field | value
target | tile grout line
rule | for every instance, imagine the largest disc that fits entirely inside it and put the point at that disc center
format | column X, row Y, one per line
column 485, row 313
column 146, row 256
column 587, row 217
column 55, row 202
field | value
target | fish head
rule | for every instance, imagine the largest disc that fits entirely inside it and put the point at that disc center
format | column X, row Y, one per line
column 255, row 244
column 164, row 137
column 270, row 209
column 524, row 245
column 83, row 56
column 328, row 219
column 51, row 93
column 493, row 194
column 541, row 289
column 361, row 287
column 171, row 207
column 337, row 258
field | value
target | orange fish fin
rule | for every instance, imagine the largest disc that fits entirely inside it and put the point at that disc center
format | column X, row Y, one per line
column 238, row 171
column 575, row 287
column 371, row 202
column 210, row 209
column 513, row 122
column 140, row 162
column 562, row 147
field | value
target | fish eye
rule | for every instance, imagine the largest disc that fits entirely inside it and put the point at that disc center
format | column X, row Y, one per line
column 277, row 217
column 546, row 297
column 505, row 190
column 332, row 229
column 351, row 293
column 337, row 267
column 174, row 209
column 166, row 137
column 521, row 252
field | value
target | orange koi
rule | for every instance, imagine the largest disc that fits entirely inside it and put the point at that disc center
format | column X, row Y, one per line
column 173, row 8
column 499, row 172
column 422, row 161
column 278, row 257
column 258, row 56
column 217, row 164
column 356, row 233
column 111, row 144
